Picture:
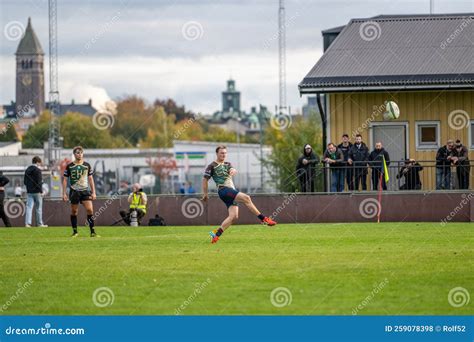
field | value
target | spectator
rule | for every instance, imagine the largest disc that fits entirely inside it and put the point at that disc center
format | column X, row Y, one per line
column 18, row 190
column 3, row 181
column 443, row 166
column 182, row 188
column 460, row 158
column 358, row 156
column 376, row 162
column 334, row 158
column 411, row 172
column 190, row 190
column 306, row 169
column 34, row 193
column 138, row 201
column 348, row 173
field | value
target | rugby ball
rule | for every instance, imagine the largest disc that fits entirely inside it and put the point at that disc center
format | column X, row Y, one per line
column 392, row 112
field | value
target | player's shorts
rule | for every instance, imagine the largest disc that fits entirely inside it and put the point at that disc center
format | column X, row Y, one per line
column 78, row 196
column 227, row 195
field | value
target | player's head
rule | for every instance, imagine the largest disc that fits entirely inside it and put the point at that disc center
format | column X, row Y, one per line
column 78, row 152
column 221, row 153
column 358, row 139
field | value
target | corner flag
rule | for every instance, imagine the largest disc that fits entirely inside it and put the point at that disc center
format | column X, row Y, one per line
column 385, row 170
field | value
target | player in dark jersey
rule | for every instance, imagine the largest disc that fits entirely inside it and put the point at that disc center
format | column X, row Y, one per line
column 81, row 189
column 222, row 172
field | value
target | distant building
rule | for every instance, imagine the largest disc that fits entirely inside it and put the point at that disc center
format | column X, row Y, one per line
column 232, row 118
column 29, row 91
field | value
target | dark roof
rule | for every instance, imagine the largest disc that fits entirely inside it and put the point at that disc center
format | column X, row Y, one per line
column 29, row 44
column 397, row 52
column 83, row 108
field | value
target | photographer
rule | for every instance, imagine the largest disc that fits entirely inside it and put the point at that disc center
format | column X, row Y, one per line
column 138, row 201
column 411, row 172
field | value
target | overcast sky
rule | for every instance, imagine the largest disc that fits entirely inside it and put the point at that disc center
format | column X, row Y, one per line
column 184, row 49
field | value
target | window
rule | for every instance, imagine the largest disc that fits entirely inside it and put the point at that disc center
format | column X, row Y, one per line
column 427, row 135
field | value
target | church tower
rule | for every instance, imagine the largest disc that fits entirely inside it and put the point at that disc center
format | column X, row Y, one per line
column 29, row 72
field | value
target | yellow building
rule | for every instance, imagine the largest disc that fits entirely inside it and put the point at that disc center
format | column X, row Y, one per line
column 425, row 64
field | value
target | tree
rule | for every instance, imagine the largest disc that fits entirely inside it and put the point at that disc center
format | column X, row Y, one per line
column 172, row 108
column 160, row 130
column 287, row 145
column 8, row 133
column 132, row 120
column 38, row 133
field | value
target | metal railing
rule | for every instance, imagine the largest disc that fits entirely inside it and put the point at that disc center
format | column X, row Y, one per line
column 366, row 176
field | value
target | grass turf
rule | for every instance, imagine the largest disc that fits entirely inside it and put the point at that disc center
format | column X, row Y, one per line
column 388, row 268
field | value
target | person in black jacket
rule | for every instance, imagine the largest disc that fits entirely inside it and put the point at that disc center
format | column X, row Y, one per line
column 345, row 147
column 443, row 166
column 411, row 172
column 306, row 169
column 460, row 158
column 34, row 192
column 358, row 156
column 376, row 163
column 334, row 159
column 3, row 181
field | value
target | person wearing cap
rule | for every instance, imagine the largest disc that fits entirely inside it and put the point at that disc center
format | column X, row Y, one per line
column 411, row 172
column 138, row 201
column 306, row 168
column 460, row 159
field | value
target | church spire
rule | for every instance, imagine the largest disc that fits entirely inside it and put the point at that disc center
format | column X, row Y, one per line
column 29, row 44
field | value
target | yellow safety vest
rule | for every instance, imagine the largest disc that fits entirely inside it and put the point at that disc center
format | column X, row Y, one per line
column 136, row 202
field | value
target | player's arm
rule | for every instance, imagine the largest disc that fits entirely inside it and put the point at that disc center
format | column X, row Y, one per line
column 205, row 183
column 92, row 185
column 65, row 188
column 232, row 170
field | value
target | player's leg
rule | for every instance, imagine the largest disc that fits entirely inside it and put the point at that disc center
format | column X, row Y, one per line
column 247, row 201
column 90, row 215
column 233, row 215
column 74, row 212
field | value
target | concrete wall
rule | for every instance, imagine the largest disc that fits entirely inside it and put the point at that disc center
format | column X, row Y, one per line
column 290, row 208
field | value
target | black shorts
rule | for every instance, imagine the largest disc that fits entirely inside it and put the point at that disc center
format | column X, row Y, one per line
column 77, row 197
column 227, row 195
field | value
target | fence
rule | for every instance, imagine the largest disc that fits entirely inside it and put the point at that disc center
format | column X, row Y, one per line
column 421, row 175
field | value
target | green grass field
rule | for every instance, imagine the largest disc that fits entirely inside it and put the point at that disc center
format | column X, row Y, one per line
column 386, row 269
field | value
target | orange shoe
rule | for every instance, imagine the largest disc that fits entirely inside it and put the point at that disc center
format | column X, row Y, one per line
column 268, row 221
column 214, row 237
